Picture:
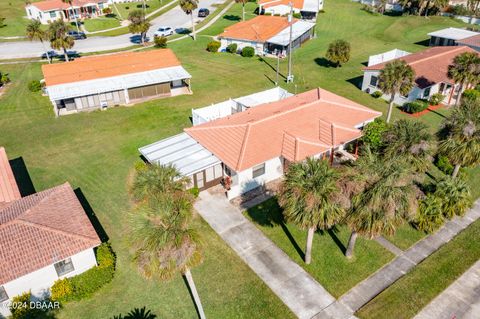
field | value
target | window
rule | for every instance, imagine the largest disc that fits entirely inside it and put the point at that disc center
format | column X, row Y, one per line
column 64, row 267
column 52, row 14
column 373, row 80
column 3, row 294
column 258, row 170
column 426, row 92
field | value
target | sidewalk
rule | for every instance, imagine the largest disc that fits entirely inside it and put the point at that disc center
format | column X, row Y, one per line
column 294, row 286
column 460, row 300
column 366, row 290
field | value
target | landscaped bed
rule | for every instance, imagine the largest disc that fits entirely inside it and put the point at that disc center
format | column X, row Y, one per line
column 329, row 265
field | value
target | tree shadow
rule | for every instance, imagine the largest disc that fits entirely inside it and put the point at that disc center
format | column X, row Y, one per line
column 274, row 68
column 332, row 232
column 232, row 17
column 137, row 313
column 22, row 177
column 91, row 215
column 356, row 81
column 269, row 214
column 425, row 43
column 323, row 62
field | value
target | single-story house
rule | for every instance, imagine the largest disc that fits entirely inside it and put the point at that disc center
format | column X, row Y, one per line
column 472, row 42
column 267, row 34
column 51, row 10
column 99, row 82
column 431, row 70
column 390, row 5
column 255, row 146
column 450, row 36
column 45, row 237
column 307, row 8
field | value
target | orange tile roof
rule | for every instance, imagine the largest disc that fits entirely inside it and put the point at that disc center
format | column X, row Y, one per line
column 297, row 4
column 50, row 5
column 259, row 29
column 296, row 127
column 8, row 186
column 430, row 65
column 105, row 66
column 41, row 229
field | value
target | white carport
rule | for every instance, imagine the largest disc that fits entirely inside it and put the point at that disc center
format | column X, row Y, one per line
column 189, row 157
column 299, row 28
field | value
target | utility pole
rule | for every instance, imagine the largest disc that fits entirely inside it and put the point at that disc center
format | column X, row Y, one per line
column 278, row 68
column 290, row 20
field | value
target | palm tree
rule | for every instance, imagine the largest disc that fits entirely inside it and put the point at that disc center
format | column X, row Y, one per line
column 396, row 77
column 461, row 136
column 455, row 197
column 188, row 6
column 74, row 15
column 387, row 200
column 411, row 140
column 309, row 198
column 243, row 2
column 464, row 70
column 165, row 243
column 59, row 38
column 34, row 32
column 138, row 24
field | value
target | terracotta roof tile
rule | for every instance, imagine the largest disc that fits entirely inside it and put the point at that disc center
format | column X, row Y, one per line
column 297, row 4
column 51, row 5
column 8, row 186
column 290, row 127
column 430, row 65
column 41, row 229
column 104, row 66
column 258, row 29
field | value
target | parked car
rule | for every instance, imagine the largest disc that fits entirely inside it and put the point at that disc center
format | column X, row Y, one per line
column 163, row 32
column 203, row 12
column 77, row 35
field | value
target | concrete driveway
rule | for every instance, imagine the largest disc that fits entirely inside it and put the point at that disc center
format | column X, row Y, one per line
column 174, row 18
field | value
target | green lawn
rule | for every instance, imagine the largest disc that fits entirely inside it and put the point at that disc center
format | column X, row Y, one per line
column 101, row 23
column 95, row 151
column 406, row 236
column 15, row 17
column 329, row 265
column 411, row 293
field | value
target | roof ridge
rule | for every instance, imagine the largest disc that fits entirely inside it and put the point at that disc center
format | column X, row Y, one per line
column 200, row 127
column 244, row 145
column 454, row 48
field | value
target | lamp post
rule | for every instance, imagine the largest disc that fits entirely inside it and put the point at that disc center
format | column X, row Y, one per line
column 290, row 21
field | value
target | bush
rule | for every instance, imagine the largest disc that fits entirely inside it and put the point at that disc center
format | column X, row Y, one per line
column 443, row 164
column 85, row 284
column 429, row 216
column 21, row 308
column 471, row 95
column 297, row 15
column 34, row 86
column 267, row 14
column 415, row 106
column 160, row 42
column 213, row 46
column 194, row 191
column 436, row 99
column 377, row 94
column 373, row 132
column 106, row 10
column 338, row 52
column 4, row 79
column 232, row 48
column 248, row 52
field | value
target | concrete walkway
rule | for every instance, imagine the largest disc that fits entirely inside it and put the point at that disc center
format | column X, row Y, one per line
column 366, row 290
column 460, row 300
column 294, row 286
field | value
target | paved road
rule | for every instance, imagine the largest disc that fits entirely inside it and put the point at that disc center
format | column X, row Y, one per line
column 175, row 18
column 460, row 300
column 293, row 285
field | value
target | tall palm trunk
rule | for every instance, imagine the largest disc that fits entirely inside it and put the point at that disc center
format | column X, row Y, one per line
column 456, row 170
column 46, row 51
column 243, row 11
column 351, row 244
column 459, row 95
column 65, row 54
column 308, row 249
column 195, row 294
column 74, row 16
column 390, row 107
column 193, row 26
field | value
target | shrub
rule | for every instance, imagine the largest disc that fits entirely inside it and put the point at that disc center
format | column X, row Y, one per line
column 127, row 8
column 106, row 10
column 194, row 191
column 248, row 52
column 232, row 48
column 277, row 15
column 415, row 106
column 373, row 132
column 85, row 284
column 4, row 79
column 429, row 216
column 267, row 14
column 213, row 46
column 297, row 15
column 377, row 94
column 160, row 42
column 338, row 52
column 443, row 164
column 471, row 95
column 22, row 309
column 34, row 86
column 436, row 99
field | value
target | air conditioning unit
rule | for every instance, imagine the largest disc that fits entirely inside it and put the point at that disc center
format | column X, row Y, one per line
column 103, row 105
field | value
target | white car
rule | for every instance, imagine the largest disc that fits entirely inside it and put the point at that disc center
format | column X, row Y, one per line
column 163, row 32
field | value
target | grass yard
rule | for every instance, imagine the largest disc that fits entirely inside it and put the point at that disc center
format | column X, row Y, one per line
column 329, row 265
column 411, row 293
column 101, row 23
column 95, row 151
column 405, row 236
column 15, row 18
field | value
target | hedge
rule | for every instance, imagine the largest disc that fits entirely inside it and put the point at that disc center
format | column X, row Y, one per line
column 248, row 52
column 415, row 106
column 87, row 283
column 213, row 46
column 232, row 48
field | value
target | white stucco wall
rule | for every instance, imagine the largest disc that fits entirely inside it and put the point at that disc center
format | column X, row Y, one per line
column 39, row 281
column 34, row 13
column 280, row 9
column 241, row 44
column 243, row 181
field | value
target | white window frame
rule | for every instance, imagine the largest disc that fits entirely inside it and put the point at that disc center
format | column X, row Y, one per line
column 258, row 168
column 61, row 271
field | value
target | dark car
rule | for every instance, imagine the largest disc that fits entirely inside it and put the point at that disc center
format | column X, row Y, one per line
column 77, row 35
column 203, row 12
